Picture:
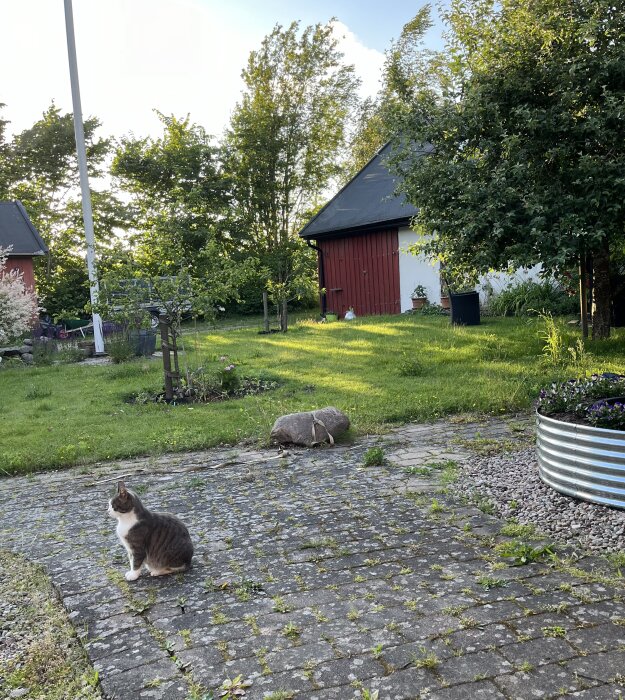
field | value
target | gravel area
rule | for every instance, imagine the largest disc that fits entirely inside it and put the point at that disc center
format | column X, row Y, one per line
column 510, row 481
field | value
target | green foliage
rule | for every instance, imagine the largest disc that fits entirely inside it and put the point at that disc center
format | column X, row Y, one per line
column 374, row 457
column 39, row 167
column 552, row 335
column 286, row 130
column 529, row 298
column 43, row 351
column 179, row 194
column 37, row 392
column 69, row 352
column 410, row 366
column 231, row 689
column 432, row 310
column 119, row 348
column 514, row 529
column 520, row 553
column 522, row 111
column 281, row 149
column 419, row 292
column 488, row 582
column 49, row 662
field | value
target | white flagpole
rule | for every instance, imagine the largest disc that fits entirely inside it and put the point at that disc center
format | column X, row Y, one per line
column 81, row 152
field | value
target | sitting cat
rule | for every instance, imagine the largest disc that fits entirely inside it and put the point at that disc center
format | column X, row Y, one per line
column 159, row 540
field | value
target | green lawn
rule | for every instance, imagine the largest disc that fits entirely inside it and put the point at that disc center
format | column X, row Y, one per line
column 380, row 371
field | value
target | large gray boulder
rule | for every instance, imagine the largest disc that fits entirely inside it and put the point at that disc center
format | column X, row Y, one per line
column 310, row 428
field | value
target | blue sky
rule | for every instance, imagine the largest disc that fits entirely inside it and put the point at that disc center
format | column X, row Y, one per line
column 177, row 56
column 375, row 23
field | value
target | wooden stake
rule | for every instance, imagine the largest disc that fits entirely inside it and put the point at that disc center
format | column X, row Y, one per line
column 164, row 329
column 583, row 293
column 265, row 312
column 284, row 325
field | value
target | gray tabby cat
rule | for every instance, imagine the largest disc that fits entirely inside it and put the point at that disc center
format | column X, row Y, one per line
column 159, row 540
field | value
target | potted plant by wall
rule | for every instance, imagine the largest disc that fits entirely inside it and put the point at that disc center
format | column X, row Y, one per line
column 419, row 297
column 331, row 316
column 580, row 438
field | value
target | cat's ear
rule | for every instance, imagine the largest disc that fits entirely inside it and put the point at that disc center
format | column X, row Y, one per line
column 121, row 489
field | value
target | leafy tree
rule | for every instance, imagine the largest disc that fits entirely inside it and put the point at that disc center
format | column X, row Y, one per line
column 39, row 167
column 524, row 113
column 403, row 69
column 179, row 195
column 283, row 147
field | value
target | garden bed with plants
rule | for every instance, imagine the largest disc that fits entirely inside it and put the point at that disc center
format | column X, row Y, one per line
column 208, row 384
column 598, row 400
column 580, row 438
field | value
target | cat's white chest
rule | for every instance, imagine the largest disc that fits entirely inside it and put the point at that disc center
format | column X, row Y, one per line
column 124, row 523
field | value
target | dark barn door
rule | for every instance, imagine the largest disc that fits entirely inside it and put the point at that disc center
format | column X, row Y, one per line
column 362, row 271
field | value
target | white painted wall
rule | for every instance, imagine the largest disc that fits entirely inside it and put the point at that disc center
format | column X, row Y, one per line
column 495, row 282
column 416, row 269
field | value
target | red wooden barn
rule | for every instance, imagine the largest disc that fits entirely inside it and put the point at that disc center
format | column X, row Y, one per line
column 18, row 234
column 357, row 236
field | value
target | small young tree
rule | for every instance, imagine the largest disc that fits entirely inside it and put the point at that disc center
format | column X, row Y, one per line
column 284, row 145
column 18, row 304
column 130, row 297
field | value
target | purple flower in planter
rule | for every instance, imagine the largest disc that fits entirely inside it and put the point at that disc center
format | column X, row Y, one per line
column 607, row 414
column 574, row 395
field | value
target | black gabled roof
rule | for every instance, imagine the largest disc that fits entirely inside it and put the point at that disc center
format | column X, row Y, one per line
column 367, row 201
column 17, row 231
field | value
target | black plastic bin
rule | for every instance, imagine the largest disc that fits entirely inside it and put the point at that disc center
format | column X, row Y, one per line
column 465, row 308
column 143, row 342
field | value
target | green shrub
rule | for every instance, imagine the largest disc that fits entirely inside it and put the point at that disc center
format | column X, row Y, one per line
column 432, row 310
column 44, row 352
column 119, row 348
column 70, row 353
column 529, row 298
column 410, row 367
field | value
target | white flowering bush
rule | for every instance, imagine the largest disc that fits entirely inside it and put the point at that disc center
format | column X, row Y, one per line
column 18, row 304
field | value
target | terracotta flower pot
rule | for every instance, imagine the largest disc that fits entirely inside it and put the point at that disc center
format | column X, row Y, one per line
column 445, row 302
column 419, row 302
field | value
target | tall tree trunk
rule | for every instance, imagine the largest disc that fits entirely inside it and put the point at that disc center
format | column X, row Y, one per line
column 601, row 292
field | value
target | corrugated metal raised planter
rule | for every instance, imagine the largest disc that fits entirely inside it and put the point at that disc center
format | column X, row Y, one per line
column 581, row 460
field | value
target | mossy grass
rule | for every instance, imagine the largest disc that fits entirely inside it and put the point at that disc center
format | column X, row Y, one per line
column 85, row 416
column 51, row 663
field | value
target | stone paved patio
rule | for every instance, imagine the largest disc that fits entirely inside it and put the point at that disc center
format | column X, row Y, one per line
column 320, row 578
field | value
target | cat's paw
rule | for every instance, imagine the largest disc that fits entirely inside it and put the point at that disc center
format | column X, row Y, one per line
column 132, row 575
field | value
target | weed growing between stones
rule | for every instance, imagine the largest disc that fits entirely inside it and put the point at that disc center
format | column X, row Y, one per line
column 426, row 660
column 233, row 689
column 488, row 582
column 514, row 529
column 520, row 553
column 374, row 457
